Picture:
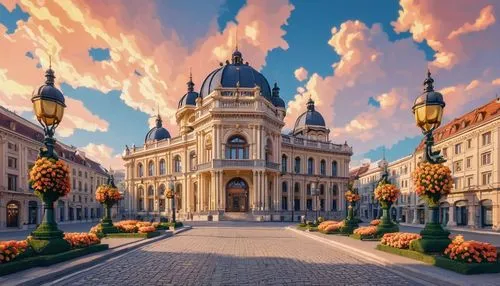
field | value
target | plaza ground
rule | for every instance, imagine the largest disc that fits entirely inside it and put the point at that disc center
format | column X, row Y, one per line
column 237, row 254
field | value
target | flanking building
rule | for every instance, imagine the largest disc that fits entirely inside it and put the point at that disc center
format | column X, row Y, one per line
column 20, row 141
column 471, row 145
column 231, row 159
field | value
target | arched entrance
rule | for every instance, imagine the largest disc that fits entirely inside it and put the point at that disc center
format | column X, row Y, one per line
column 461, row 212
column 237, row 195
column 486, row 213
column 13, row 214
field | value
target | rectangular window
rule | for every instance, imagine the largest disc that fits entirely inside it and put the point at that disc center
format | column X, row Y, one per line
column 486, row 158
column 486, row 138
column 284, row 203
column 79, row 173
column 445, row 152
column 11, row 182
column 74, row 172
column 470, row 181
column 469, row 143
column 12, row 146
column 458, row 148
column 86, row 175
column 79, row 186
column 334, row 205
column 486, row 178
column 458, row 166
column 12, row 162
column 309, row 204
column 468, row 162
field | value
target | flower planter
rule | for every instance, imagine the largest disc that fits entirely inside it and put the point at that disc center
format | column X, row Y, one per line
column 444, row 262
column 27, row 261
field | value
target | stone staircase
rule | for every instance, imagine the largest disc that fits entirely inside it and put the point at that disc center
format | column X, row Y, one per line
column 238, row 216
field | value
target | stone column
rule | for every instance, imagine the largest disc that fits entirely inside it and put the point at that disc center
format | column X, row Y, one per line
column 415, row 215
column 471, row 221
column 222, row 192
column 451, row 213
column 253, row 191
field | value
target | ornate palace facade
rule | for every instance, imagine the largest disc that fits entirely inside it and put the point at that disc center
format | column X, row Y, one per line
column 231, row 160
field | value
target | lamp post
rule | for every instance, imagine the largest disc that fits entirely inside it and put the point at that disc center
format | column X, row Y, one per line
column 48, row 106
column 315, row 195
column 171, row 195
column 428, row 112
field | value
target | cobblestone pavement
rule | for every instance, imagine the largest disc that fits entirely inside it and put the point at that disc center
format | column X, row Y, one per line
column 237, row 256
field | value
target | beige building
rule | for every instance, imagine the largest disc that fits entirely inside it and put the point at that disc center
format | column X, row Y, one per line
column 20, row 141
column 231, row 160
column 471, row 145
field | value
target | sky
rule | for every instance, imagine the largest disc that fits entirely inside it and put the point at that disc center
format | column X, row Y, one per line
column 362, row 62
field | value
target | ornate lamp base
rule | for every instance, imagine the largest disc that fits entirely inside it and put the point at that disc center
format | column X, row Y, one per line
column 434, row 237
column 386, row 224
column 350, row 223
column 107, row 223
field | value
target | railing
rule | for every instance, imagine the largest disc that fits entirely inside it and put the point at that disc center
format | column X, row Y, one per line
column 230, row 163
column 316, row 144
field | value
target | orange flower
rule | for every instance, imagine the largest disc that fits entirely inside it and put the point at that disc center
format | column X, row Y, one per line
column 106, row 194
column 50, row 175
column 387, row 193
column 351, row 197
column 470, row 251
column 366, row 230
column 9, row 250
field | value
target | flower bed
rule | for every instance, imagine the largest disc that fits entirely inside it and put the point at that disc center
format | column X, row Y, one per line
column 79, row 240
column 399, row 240
column 330, row 227
column 466, row 257
column 133, row 235
column 470, row 251
column 24, row 263
column 375, row 222
column 365, row 233
column 10, row 250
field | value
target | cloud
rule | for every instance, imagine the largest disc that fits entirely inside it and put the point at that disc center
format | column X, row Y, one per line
column 444, row 26
column 137, row 43
column 486, row 18
column 300, row 74
column 103, row 154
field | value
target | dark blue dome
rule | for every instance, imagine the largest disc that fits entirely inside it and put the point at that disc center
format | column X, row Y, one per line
column 48, row 91
column 190, row 97
column 310, row 118
column 235, row 74
column 157, row 133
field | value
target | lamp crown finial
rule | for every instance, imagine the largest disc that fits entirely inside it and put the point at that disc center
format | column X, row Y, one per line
column 49, row 74
column 428, row 82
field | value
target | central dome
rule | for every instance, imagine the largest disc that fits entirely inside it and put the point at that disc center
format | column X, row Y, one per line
column 235, row 74
column 309, row 118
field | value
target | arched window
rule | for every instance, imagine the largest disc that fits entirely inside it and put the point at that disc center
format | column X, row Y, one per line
column 334, row 169
column 162, row 167
column 151, row 169
column 177, row 164
column 284, row 163
column 140, row 199
column 284, row 187
column 236, row 148
column 269, row 151
column 13, row 214
column 151, row 191
column 322, row 168
column 178, row 196
column 161, row 190
column 297, row 165
column 310, row 166
column 321, row 190
column 161, row 201
column 335, row 190
column 140, row 170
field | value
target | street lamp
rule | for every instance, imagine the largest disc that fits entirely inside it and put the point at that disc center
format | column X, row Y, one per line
column 48, row 106
column 315, row 194
column 428, row 112
column 171, row 195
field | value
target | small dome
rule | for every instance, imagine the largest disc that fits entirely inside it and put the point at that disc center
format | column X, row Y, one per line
column 189, row 99
column 309, row 118
column 276, row 99
column 235, row 74
column 48, row 90
column 157, row 133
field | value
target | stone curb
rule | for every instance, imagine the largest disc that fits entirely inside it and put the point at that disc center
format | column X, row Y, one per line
column 121, row 250
column 415, row 274
column 456, row 229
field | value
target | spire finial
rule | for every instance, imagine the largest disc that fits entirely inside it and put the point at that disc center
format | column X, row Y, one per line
column 49, row 74
column 236, row 47
column 190, row 83
column 276, row 89
column 428, row 82
column 310, row 103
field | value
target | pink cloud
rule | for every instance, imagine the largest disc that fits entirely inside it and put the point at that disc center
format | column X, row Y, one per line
column 444, row 26
column 103, row 154
column 67, row 30
column 300, row 74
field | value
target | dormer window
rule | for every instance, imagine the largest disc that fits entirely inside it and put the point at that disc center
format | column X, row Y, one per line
column 480, row 116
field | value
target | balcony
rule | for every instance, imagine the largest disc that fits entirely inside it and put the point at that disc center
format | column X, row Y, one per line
column 238, row 164
column 290, row 140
